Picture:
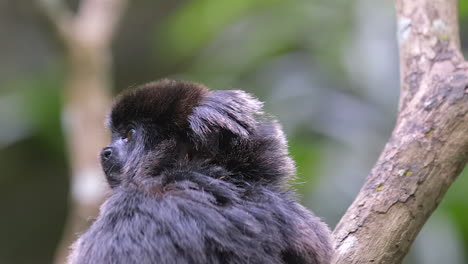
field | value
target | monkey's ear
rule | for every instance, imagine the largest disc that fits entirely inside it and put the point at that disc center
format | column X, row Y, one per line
column 234, row 111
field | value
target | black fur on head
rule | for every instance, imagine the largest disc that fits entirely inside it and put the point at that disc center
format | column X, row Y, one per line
column 165, row 103
column 185, row 122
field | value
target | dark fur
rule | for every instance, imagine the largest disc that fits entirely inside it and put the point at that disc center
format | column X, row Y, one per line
column 203, row 180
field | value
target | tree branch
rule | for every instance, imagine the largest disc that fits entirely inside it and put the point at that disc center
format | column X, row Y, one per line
column 427, row 32
column 96, row 21
column 428, row 147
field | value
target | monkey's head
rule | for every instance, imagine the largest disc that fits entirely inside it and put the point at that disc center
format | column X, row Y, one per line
column 164, row 124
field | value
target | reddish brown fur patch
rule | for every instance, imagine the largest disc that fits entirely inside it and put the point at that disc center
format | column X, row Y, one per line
column 162, row 102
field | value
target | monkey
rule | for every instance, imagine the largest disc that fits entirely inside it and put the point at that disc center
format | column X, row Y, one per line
column 198, row 176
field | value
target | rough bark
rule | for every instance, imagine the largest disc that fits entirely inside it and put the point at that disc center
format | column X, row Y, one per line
column 86, row 37
column 428, row 147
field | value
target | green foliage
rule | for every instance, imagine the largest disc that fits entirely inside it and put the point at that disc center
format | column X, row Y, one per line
column 34, row 182
column 455, row 203
column 196, row 22
column 463, row 9
column 307, row 155
column 41, row 96
column 236, row 36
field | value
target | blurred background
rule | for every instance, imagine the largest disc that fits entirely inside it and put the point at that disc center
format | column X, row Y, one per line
column 328, row 70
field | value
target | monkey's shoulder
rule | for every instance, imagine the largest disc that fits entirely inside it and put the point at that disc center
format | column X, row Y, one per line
column 200, row 219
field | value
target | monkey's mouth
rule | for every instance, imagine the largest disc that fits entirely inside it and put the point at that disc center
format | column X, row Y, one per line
column 112, row 172
column 113, row 178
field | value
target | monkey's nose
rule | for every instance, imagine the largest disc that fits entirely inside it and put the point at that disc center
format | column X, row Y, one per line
column 106, row 153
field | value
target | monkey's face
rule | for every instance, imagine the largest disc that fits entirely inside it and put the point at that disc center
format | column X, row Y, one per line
column 140, row 147
column 137, row 150
column 160, row 125
column 119, row 154
column 149, row 126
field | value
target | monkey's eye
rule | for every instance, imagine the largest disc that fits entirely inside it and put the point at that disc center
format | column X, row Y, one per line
column 129, row 134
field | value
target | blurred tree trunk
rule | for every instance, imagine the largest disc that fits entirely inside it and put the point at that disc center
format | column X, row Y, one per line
column 429, row 145
column 86, row 37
